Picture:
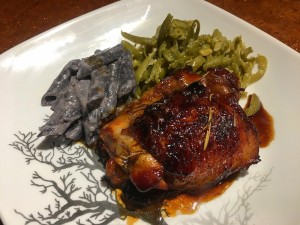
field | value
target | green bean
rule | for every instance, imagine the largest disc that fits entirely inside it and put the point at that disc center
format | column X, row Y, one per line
column 179, row 62
column 192, row 33
column 168, row 55
column 179, row 29
column 143, row 67
column 206, row 51
column 157, row 72
column 216, row 61
column 254, row 105
column 164, row 28
column 197, row 62
column 134, row 52
column 262, row 64
column 139, row 40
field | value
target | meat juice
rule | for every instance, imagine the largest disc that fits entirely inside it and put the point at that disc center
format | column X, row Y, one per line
column 186, row 204
column 265, row 126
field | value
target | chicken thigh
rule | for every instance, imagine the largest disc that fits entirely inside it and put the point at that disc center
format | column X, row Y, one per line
column 186, row 133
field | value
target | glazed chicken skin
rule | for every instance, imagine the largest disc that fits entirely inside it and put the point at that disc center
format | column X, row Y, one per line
column 186, row 133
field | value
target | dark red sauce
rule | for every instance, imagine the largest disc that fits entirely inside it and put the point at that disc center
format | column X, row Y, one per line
column 189, row 203
column 265, row 126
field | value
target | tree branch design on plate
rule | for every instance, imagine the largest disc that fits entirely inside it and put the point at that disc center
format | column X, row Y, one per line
column 80, row 194
column 238, row 210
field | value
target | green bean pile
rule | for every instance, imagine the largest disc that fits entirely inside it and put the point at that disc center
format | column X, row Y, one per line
column 177, row 44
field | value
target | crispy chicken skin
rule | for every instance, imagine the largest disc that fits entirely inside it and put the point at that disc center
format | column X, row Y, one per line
column 187, row 132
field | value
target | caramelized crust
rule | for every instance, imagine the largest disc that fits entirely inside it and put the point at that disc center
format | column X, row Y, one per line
column 187, row 133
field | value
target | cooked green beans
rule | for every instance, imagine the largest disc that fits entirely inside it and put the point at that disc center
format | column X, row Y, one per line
column 177, row 44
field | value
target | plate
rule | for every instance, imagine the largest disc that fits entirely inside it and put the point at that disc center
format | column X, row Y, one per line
column 62, row 185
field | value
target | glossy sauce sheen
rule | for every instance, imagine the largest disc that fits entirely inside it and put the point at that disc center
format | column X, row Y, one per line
column 186, row 204
column 199, row 134
column 265, row 126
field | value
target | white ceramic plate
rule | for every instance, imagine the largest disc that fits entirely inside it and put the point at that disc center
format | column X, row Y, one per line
column 63, row 185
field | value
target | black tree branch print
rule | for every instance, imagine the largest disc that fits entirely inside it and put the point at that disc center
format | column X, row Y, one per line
column 237, row 211
column 72, row 201
column 82, row 196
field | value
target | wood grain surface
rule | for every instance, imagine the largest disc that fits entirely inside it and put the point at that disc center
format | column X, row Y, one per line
column 23, row 19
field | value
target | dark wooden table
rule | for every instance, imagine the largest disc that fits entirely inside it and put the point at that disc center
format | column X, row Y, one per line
column 23, row 19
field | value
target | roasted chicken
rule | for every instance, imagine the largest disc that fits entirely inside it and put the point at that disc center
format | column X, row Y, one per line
column 186, row 133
